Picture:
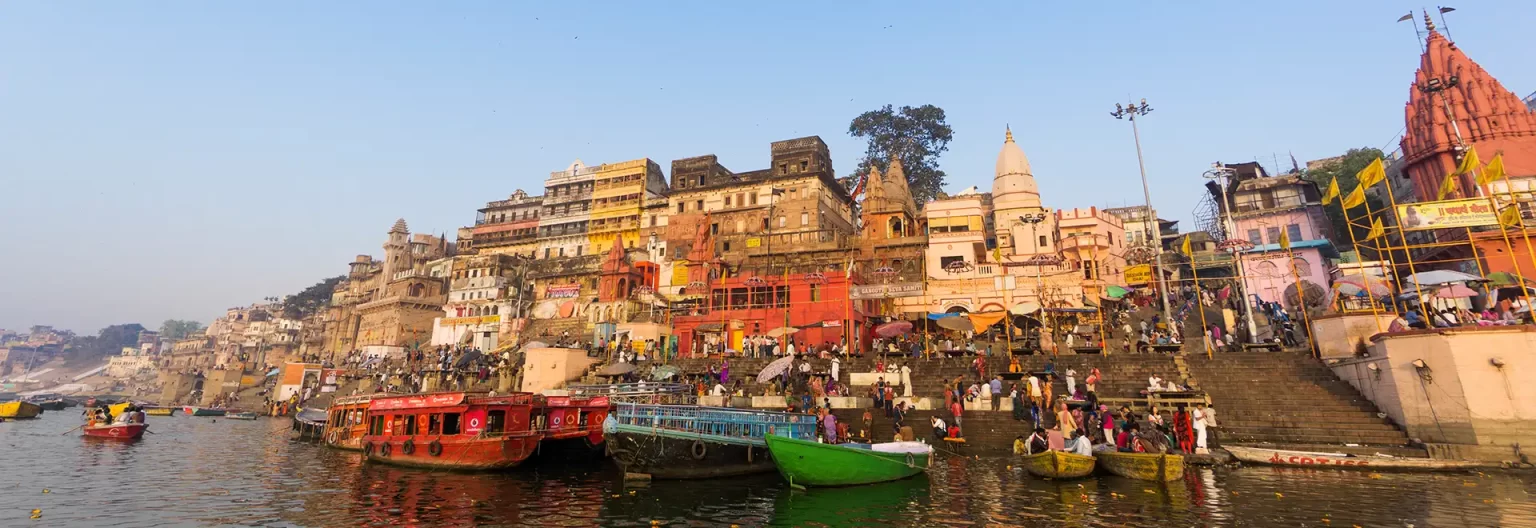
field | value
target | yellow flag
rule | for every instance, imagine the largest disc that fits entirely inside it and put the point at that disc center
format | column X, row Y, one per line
column 1447, row 186
column 1469, row 161
column 1376, row 230
column 1493, row 172
column 1332, row 192
column 997, row 255
column 1285, row 240
column 1354, row 199
column 1187, row 249
column 1372, row 174
column 1510, row 216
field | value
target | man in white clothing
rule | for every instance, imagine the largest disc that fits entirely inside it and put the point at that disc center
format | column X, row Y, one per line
column 1071, row 382
column 835, row 364
column 1154, row 383
column 906, row 380
column 1197, row 421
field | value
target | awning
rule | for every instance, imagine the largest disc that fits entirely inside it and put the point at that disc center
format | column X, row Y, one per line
column 982, row 320
column 1024, row 308
column 271, row 373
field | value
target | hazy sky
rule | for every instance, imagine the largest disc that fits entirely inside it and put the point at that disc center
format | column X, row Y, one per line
column 170, row 160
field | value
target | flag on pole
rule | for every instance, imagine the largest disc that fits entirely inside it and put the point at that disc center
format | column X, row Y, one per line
column 997, row 255
column 1408, row 16
column 1332, row 192
column 1372, row 174
column 1188, row 250
column 1285, row 240
column 1469, row 161
column 1510, row 216
column 1354, row 199
column 1493, row 172
column 1447, row 186
column 1445, row 10
column 1376, row 230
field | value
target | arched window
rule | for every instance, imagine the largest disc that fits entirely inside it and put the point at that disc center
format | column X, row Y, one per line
column 1302, row 267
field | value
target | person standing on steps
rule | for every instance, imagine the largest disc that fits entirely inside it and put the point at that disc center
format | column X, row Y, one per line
column 906, row 380
column 880, row 393
column 1197, row 422
column 835, row 364
column 1071, row 382
column 1211, row 426
column 997, row 392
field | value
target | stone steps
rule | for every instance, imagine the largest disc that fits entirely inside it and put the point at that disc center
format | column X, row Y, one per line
column 1288, row 399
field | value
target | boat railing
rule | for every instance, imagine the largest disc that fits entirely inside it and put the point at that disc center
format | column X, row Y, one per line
column 716, row 421
column 658, row 393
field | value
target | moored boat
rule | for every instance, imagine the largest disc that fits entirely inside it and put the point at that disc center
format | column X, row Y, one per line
column 160, row 411
column 56, row 404
column 691, row 441
column 190, row 410
column 1058, row 465
column 1308, row 459
column 571, row 418
column 240, row 415
column 310, row 424
column 811, row 463
column 1142, row 466
column 19, row 410
column 120, row 431
column 344, row 423
column 451, row 430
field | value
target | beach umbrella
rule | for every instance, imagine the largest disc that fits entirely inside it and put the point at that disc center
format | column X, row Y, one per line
column 782, row 331
column 1115, row 292
column 779, row 366
column 665, row 372
column 1456, row 291
column 617, row 369
column 467, row 358
column 1437, row 277
column 957, row 323
column 1354, row 284
column 893, row 329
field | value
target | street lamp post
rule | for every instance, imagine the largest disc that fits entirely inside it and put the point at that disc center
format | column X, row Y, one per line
column 1130, row 112
column 1034, row 221
column 1222, row 175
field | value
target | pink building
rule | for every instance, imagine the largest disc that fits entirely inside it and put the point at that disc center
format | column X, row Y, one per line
column 1265, row 207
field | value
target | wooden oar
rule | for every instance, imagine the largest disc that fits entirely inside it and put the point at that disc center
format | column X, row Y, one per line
column 72, row 430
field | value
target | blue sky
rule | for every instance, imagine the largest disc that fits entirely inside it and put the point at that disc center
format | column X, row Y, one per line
column 172, row 160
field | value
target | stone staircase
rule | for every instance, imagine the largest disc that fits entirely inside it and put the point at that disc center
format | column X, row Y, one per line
column 1287, row 398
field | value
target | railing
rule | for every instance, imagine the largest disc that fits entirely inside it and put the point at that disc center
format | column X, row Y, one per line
column 657, row 393
column 717, row 422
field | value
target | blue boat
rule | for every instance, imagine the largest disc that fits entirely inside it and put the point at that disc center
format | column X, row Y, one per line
column 692, row 441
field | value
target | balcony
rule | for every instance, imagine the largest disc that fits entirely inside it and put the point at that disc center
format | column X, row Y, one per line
column 567, row 198
column 783, row 243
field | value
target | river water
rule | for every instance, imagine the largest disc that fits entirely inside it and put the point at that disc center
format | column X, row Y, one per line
column 220, row 472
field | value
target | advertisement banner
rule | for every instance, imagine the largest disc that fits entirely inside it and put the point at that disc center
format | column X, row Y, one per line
column 479, row 319
column 679, row 274
column 887, row 291
column 563, row 291
column 1138, row 274
column 1447, row 213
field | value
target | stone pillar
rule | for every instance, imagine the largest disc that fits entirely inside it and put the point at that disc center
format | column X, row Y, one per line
column 504, row 381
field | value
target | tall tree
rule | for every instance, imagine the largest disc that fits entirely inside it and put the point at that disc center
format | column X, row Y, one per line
column 919, row 135
column 177, row 329
column 1344, row 169
column 311, row 299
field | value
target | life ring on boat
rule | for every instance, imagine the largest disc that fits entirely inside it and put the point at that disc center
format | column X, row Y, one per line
column 409, row 447
column 911, row 460
column 334, row 436
column 435, row 448
column 367, row 448
column 384, row 450
column 699, row 450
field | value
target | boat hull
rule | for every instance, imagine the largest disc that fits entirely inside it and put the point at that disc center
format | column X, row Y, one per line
column 116, row 431
column 202, row 411
column 52, row 405
column 667, row 457
column 1280, row 457
column 19, row 410
column 808, row 463
column 160, row 411
column 1058, row 465
column 456, row 453
column 1142, row 466
column 240, row 416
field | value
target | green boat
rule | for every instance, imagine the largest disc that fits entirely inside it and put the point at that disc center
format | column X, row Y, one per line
column 806, row 463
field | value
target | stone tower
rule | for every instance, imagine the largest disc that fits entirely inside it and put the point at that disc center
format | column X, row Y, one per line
column 397, row 250
column 1454, row 104
column 1015, row 194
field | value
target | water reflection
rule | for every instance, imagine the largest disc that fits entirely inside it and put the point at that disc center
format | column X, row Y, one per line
column 200, row 472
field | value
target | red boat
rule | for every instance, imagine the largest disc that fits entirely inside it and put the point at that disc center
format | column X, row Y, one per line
column 571, row 417
column 451, row 430
column 131, row 431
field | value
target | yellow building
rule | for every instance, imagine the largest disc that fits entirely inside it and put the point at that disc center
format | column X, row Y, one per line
column 619, row 192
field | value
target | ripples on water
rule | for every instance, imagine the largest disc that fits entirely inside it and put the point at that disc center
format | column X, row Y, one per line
column 219, row 472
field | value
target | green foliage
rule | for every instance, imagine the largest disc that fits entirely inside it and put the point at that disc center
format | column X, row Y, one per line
column 108, row 342
column 311, row 299
column 1345, row 170
column 918, row 135
column 177, row 329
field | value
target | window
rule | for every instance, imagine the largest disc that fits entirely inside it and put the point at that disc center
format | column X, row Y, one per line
column 1253, row 237
column 1294, row 232
column 546, row 252
column 1273, row 233
column 410, row 424
column 495, row 422
column 578, row 250
column 714, row 228
column 376, row 426
column 805, row 219
column 562, row 252
column 451, row 424
column 1043, row 242
column 944, row 262
column 753, row 198
column 741, row 199
column 782, row 222
column 653, row 221
column 1302, row 268
column 805, row 165
column 727, row 200
column 725, row 246
column 698, row 205
column 680, row 207
column 783, row 168
column 815, row 293
column 1088, row 269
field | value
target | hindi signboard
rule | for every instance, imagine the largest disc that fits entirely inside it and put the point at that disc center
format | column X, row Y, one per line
column 1446, row 214
column 1138, row 274
column 473, row 320
column 562, row 291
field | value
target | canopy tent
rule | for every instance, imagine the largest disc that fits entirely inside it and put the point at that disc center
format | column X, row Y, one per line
column 957, row 323
column 782, row 331
column 1024, row 308
column 1115, row 292
column 1438, row 277
column 1504, row 279
column 665, row 372
column 984, row 320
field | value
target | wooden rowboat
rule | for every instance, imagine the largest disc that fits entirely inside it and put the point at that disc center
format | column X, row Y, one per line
column 202, row 411
column 129, row 431
column 1280, row 457
column 160, row 411
column 1058, row 465
column 808, row 463
column 19, row 410
column 1142, row 466
column 240, row 415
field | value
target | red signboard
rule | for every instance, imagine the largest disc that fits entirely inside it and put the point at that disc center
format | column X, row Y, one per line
column 420, row 401
column 474, row 421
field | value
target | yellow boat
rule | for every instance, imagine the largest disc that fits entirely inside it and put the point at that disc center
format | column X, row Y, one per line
column 1142, row 466
column 160, row 411
column 18, row 410
column 1058, row 465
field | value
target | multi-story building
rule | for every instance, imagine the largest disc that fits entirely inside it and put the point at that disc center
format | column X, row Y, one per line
column 508, row 227
column 1263, row 209
column 485, row 295
column 891, row 247
column 619, row 194
column 567, row 207
column 406, row 297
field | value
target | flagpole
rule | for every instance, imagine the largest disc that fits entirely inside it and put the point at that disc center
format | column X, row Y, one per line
column 1407, row 254
column 1194, row 269
column 1098, row 276
column 848, row 308
column 1301, row 294
column 1519, row 275
column 1524, row 233
column 1350, row 227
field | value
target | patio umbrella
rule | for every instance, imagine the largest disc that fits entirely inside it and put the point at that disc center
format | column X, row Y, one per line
column 782, row 331
column 1439, row 277
column 1504, row 279
column 467, row 358
column 1356, row 284
column 774, row 369
column 617, row 369
column 1456, row 291
column 957, row 323
column 665, row 372
column 893, row 329
column 1115, row 292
